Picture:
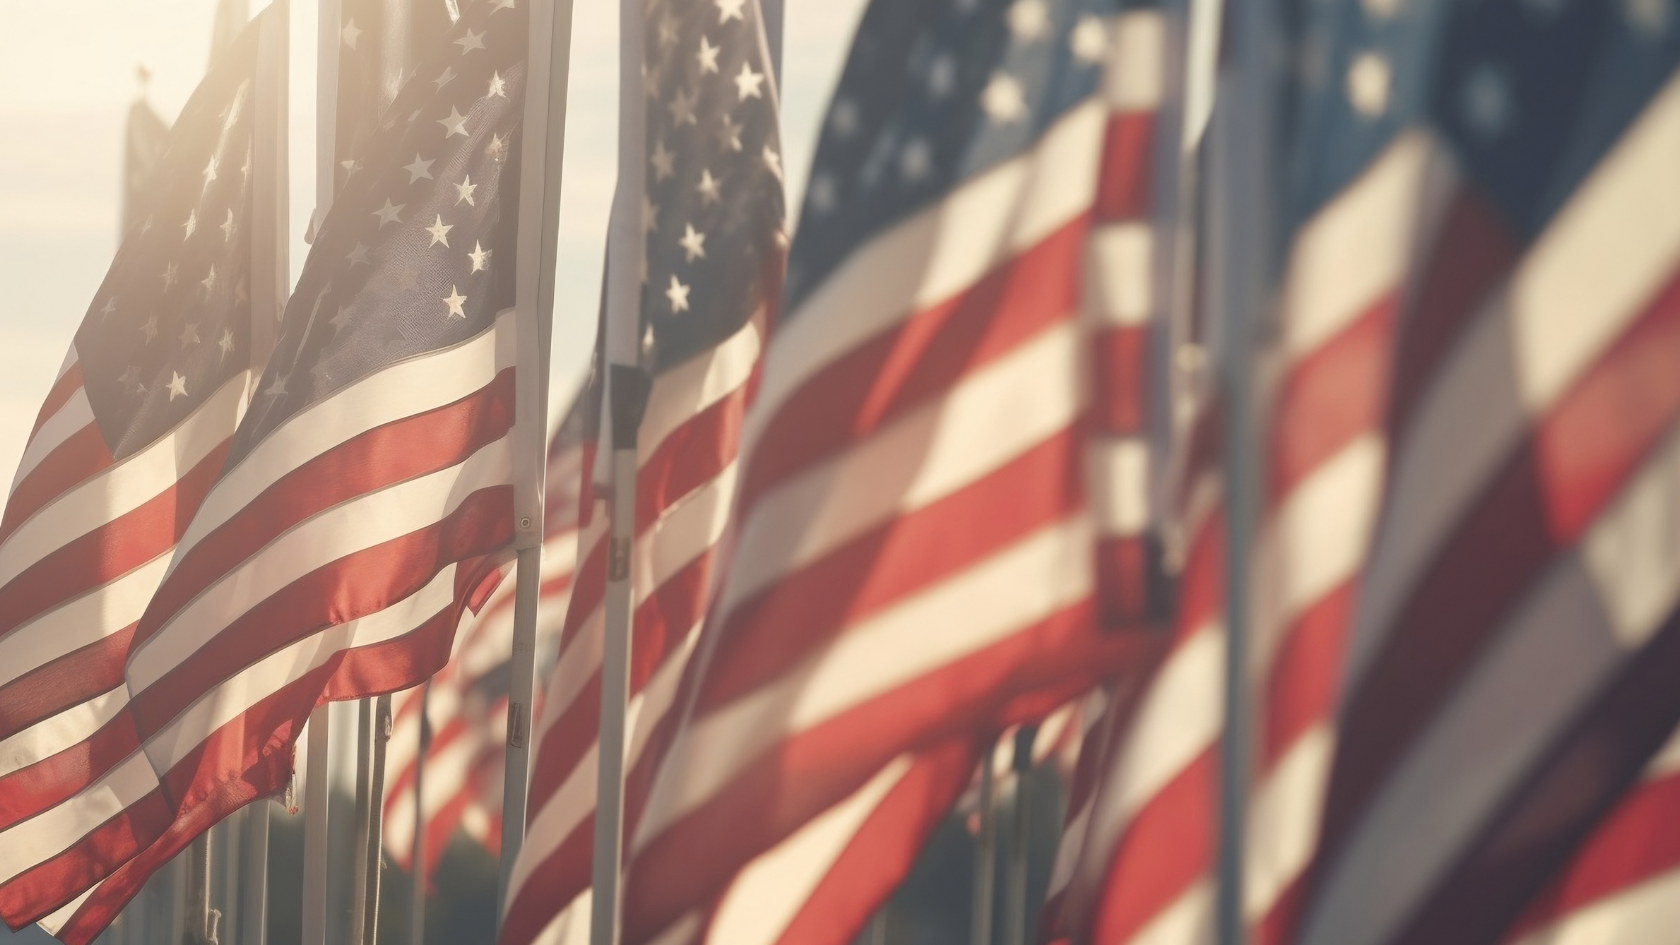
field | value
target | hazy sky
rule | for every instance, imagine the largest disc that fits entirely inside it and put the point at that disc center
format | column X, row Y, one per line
column 67, row 77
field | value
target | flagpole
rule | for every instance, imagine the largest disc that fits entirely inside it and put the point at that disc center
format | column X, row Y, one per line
column 1015, row 892
column 373, row 867
column 417, row 902
column 317, row 791
column 985, row 857
column 543, row 144
column 363, row 822
column 201, row 919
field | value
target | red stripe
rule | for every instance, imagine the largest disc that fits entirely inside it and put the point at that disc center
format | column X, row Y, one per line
column 69, row 680
column 1123, row 570
column 1023, row 677
column 47, row 887
column 395, row 452
column 109, row 551
column 1123, row 186
column 539, row 900
column 1121, row 375
column 770, row 633
column 688, row 458
column 53, row 779
column 356, row 585
column 62, row 390
column 1305, row 676
column 81, row 455
column 1540, row 502
column 1167, row 847
column 1638, row 842
column 918, row 360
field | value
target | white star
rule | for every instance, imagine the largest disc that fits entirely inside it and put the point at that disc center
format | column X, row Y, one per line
column 169, row 276
column 1368, row 81
column 209, row 282
column 1028, row 19
column 440, row 232
column 464, row 191
column 350, row 167
column 682, row 108
column 340, row 319
column 455, row 300
column 708, row 56
column 480, row 257
column 470, row 42
column 191, row 224
column 189, row 336
column 388, row 213
column 942, row 75
column 678, row 294
column 359, row 255
column 729, row 136
column 667, row 31
column 661, row 160
column 418, row 169
column 1486, row 101
column 915, row 162
column 497, row 148
column 110, row 307
column 843, row 118
column 1003, row 98
column 748, row 82
column 730, row 10
column 150, row 329
column 498, row 86
column 226, row 342
column 650, row 215
column 278, row 388
column 228, row 226
column 350, row 33
column 773, row 161
column 823, row 196
column 1089, row 41
column 503, row 5
column 708, row 187
column 210, row 171
column 130, row 379
column 444, row 78
column 177, row 386
column 693, row 243
column 456, row 123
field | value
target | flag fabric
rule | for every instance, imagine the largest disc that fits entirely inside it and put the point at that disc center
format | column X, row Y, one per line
column 130, row 437
column 468, row 702
column 370, row 478
column 145, row 136
column 915, row 564
column 380, row 47
column 713, row 215
column 1507, row 672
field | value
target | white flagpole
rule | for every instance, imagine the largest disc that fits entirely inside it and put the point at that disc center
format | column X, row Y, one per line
column 543, row 144
column 1015, row 890
column 985, row 856
column 626, row 395
column 373, row 867
column 417, row 902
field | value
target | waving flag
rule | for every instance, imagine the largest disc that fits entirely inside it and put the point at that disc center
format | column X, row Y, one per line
column 915, row 560
column 334, row 554
column 715, row 246
column 129, row 440
column 1509, row 671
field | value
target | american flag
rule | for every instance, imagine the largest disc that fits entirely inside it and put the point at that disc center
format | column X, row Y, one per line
column 129, row 439
column 713, row 216
column 468, row 703
column 915, row 561
column 371, row 475
column 1506, row 172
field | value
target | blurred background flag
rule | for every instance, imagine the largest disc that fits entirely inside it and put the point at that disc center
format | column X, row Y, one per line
column 144, row 137
column 713, row 219
column 915, row 566
column 129, row 439
column 369, row 479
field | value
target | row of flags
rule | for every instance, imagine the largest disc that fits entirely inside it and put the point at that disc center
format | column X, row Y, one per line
column 960, row 453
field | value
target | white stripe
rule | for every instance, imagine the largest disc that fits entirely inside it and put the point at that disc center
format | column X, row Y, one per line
column 405, row 389
column 1595, row 609
column 1067, row 852
column 1119, row 493
column 365, row 521
column 238, row 693
column 1356, row 249
column 53, row 923
column 49, row 833
column 125, row 486
column 684, row 391
column 446, row 774
column 944, row 622
column 80, row 621
column 75, row 415
column 993, row 415
column 1188, row 921
column 1119, row 289
column 1584, row 280
column 939, row 252
column 1646, row 914
column 1283, row 819
column 52, row 735
column 1136, row 73
column 768, row 892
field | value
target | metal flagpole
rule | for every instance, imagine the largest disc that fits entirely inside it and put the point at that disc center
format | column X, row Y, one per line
column 626, row 395
column 985, row 857
column 364, row 815
column 417, row 902
column 1015, row 891
column 373, row 866
column 201, row 919
column 542, row 145
column 317, row 791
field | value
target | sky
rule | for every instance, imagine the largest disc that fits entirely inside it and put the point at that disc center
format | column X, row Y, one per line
column 68, row 76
